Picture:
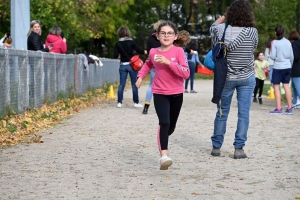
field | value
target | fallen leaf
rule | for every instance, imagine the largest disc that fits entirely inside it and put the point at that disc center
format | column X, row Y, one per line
column 278, row 145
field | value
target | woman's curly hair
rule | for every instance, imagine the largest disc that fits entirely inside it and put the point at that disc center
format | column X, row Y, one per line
column 240, row 14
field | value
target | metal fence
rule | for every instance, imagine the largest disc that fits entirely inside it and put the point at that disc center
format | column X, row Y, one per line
column 28, row 79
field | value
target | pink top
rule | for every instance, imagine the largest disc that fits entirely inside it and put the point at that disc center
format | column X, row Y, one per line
column 168, row 79
column 59, row 46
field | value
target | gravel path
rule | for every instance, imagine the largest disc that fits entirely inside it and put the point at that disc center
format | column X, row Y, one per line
column 111, row 153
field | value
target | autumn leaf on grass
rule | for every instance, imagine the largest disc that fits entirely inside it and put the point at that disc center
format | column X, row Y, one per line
column 3, row 123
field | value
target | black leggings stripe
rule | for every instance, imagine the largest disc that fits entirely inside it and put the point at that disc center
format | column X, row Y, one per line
column 167, row 109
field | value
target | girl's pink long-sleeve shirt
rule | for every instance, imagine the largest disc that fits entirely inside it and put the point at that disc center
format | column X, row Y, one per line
column 168, row 79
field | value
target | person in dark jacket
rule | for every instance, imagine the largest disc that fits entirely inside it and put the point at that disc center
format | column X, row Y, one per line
column 124, row 49
column 55, row 38
column 294, row 38
column 34, row 42
column 153, row 42
column 241, row 39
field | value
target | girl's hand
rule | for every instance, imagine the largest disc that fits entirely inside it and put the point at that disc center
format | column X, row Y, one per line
column 162, row 59
column 267, row 68
column 138, row 82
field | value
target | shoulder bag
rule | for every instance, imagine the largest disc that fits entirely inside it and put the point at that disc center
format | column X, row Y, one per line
column 135, row 61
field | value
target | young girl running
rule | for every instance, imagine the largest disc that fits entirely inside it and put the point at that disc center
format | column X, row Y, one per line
column 260, row 66
column 170, row 71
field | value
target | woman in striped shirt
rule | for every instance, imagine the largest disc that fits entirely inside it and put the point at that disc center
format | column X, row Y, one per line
column 241, row 40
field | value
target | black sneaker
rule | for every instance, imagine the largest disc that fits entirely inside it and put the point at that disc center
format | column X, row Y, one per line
column 215, row 151
column 254, row 99
column 239, row 154
column 260, row 100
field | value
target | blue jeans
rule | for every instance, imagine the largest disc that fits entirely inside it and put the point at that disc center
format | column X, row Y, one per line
column 244, row 89
column 270, row 73
column 296, row 89
column 149, row 91
column 192, row 67
column 124, row 70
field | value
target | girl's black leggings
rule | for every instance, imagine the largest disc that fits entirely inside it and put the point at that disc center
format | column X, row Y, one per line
column 167, row 109
column 259, row 85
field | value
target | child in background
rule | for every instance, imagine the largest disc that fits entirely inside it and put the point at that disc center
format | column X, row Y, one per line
column 260, row 66
column 153, row 42
column 6, row 41
column 171, row 69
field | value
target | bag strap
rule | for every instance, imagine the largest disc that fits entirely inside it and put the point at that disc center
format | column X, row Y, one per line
column 223, row 37
column 123, row 51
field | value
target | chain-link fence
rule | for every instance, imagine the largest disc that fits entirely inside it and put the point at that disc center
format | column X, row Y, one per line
column 28, row 79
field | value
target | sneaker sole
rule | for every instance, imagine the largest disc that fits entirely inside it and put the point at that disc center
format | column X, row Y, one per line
column 240, row 157
column 138, row 106
column 166, row 165
column 215, row 154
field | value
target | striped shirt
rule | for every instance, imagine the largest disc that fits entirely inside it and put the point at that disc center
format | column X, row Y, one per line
column 241, row 43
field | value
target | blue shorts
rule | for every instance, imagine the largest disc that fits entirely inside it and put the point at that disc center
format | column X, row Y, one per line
column 281, row 76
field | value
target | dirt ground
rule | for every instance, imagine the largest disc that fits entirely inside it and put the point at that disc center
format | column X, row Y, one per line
column 107, row 152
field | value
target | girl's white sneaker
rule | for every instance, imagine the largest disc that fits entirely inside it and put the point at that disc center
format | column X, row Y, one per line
column 165, row 162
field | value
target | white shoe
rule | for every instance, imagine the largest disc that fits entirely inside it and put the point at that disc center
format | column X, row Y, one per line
column 138, row 105
column 119, row 105
column 165, row 162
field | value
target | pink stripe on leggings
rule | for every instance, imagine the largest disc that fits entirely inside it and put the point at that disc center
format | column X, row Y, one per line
column 158, row 138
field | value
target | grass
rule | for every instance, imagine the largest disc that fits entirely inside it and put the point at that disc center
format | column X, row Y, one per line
column 203, row 77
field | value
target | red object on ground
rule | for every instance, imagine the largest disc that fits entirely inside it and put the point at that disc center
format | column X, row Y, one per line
column 201, row 69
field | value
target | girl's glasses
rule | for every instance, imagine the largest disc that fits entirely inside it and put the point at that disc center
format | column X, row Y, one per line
column 168, row 34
